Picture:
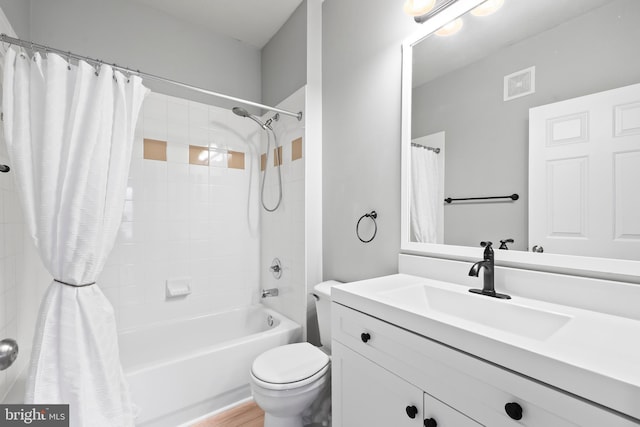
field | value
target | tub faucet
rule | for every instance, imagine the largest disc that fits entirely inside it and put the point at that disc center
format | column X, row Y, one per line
column 273, row 292
column 488, row 276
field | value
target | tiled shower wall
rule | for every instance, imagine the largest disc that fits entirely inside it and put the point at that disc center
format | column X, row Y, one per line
column 191, row 213
column 283, row 231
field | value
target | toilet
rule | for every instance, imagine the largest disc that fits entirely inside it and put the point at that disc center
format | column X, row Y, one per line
column 286, row 380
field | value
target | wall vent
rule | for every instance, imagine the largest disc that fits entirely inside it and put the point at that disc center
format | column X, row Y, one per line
column 520, row 83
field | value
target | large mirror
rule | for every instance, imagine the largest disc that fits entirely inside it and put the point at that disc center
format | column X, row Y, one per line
column 523, row 128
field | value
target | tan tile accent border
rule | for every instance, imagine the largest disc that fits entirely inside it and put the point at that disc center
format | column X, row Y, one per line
column 277, row 156
column 155, row 150
column 263, row 162
column 198, row 155
column 235, row 160
column 296, row 149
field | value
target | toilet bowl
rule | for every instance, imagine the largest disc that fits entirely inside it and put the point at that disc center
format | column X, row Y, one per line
column 286, row 380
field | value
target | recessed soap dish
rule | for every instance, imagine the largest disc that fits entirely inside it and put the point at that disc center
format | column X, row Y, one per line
column 178, row 287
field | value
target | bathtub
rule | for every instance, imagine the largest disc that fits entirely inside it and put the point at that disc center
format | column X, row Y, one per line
column 180, row 370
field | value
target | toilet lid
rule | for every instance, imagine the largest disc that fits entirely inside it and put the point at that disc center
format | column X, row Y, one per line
column 289, row 363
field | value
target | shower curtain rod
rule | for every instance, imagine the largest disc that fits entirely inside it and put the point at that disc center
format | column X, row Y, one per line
column 35, row 46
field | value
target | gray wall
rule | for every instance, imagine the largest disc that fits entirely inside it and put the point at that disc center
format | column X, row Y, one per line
column 17, row 12
column 361, row 133
column 141, row 37
column 284, row 59
column 487, row 138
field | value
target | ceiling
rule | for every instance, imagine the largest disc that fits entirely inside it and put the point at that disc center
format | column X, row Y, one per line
column 516, row 21
column 251, row 21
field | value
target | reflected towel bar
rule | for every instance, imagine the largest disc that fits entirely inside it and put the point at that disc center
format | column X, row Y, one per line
column 514, row 196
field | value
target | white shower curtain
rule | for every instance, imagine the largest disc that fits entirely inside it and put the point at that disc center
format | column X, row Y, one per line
column 69, row 134
column 425, row 184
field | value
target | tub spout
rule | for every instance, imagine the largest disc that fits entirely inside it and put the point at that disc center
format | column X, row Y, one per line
column 273, row 292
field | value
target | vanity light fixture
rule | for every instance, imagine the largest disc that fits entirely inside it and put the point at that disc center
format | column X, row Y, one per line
column 487, row 8
column 418, row 7
column 434, row 7
column 451, row 28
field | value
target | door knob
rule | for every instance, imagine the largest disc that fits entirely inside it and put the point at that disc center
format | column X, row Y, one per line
column 537, row 248
column 8, row 353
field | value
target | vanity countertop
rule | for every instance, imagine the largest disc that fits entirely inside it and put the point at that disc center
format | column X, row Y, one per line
column 593, row 355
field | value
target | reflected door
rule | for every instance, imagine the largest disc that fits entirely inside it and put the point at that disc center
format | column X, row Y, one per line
column 584, row 175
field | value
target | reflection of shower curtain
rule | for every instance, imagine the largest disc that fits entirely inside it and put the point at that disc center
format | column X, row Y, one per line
column 69, row 132
column 424, row 195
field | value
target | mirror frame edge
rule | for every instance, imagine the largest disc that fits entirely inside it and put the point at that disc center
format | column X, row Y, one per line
column 592, row 267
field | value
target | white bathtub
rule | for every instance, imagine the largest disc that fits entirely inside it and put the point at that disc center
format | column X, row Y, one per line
column 184, row 369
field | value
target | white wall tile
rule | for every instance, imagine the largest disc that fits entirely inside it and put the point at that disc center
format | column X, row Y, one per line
column 178, row 133
column 177, row 153
column 198, row 115
column 155, row 107
column 178, row 112
column 180, row 217
column 179, row 172
column 282, row 231
column 155, row 129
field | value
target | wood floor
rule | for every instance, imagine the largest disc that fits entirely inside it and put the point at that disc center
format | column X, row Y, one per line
column 245, row 415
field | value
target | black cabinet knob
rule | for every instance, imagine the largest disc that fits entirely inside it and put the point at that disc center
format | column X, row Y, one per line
column 365, row 336
column 412, row 411
column 514, row 410
column 430, row 422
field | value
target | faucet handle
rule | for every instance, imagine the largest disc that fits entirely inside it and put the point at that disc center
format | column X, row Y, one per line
column 488, row 251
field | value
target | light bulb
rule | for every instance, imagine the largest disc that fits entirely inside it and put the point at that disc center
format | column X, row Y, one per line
column 418, row 7
column 451, row 28
column 487, row 8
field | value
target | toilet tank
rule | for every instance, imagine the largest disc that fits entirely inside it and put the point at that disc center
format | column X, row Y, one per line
column 322, row 294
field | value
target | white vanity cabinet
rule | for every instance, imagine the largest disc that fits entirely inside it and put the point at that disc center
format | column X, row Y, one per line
column 368, row 395
column 382, row 375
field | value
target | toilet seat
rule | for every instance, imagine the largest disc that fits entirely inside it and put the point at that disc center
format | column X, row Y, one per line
column 289, row 366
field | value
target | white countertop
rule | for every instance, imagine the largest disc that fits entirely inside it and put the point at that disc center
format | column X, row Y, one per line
column 590, row 354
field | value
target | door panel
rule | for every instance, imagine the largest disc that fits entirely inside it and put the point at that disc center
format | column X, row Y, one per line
column 584, row 172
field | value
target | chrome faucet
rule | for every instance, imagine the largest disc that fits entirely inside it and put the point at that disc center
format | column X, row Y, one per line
column 273, row 292
column 488, row 276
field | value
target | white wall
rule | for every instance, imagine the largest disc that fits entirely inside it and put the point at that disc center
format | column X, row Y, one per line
column 361, row 133
column 184, row 220
column 140, row 37
column 17, row 12
column 284, row 59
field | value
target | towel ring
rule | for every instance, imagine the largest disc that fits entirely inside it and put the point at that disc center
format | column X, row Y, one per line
column 373, row 215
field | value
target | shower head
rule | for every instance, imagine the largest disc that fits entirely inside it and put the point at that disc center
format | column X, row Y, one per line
column 239, row 111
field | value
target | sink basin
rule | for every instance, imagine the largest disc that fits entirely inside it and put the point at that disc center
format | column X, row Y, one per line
column 503, row 315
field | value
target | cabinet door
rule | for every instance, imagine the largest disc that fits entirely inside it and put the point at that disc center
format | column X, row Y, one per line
column 364, row 394
column 437, row 413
